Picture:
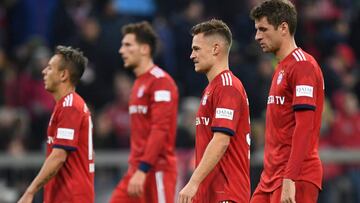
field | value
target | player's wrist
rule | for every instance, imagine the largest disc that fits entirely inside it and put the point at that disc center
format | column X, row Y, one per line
column 144, row 167
column 30, row 192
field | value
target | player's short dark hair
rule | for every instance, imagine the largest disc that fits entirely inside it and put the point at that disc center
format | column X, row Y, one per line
column 276, row 12
column 73, row 60
column 144, row 34
column 213, row 27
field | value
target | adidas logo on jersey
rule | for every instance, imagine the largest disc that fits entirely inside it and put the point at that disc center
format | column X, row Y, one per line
column 226, row 79
column 299, row 55
column 68, row 101
column 157, row 72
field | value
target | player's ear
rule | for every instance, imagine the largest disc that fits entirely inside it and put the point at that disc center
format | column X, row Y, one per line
column 284, row 28
column 144, row 49
column 216, row 49
column 64, row 74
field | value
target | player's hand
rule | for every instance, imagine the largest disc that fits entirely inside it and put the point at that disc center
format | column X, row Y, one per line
column 136, row 184
column 288, row 191
column 26, row 198
column 188, row 192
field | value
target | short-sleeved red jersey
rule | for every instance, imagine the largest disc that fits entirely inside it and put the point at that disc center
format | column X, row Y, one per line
column 70, row 128
column 224, row 108
column 297, row 84
column 153, row 112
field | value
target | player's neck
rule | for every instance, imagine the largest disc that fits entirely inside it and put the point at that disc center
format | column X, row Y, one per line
column 217, row 68
column 144, row 66
column 63, row 91
column 285, row 49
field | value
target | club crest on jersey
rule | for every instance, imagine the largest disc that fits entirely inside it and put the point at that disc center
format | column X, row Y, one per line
column 203, row 102
column 280, row 77
column 141, row 90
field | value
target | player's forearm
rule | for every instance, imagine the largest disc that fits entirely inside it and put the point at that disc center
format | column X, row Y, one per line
column 155, row 144
column 49, row 169
column 212, row 155
column 301, row 143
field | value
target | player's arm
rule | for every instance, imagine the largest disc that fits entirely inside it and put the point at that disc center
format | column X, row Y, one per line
column 212, row 155
column 301, row 146
column 48, row 170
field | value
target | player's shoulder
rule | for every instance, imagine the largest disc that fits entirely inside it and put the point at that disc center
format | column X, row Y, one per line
column 299, row 57
column 160, row 76
column 157, row 72
column 74, row 102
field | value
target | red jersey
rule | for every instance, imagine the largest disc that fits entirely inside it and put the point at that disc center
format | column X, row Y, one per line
column 297, row 84
column 70, row 128
column 153, row 112
column 224, row 108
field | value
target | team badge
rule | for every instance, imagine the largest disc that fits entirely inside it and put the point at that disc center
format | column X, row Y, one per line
column 280, row 77
column 141, row 90
column 205, row 99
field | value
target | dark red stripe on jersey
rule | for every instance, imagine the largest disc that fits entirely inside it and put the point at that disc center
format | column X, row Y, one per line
column 67, row 148
column 223, row 130
column 303, row 107
column 145, row 167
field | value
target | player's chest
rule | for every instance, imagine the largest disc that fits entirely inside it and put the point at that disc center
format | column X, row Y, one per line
column 51, row 130
column 140, row 99
column 205, row 111
column 280, row 93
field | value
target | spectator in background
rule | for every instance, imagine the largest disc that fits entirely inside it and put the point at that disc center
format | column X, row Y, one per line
column 153, row 103
column 345, row 134
column 114, row 121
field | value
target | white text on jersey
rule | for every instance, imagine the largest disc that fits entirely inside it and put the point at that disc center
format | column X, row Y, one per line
column 276, row 100
column 202, row 120
column 140, row 109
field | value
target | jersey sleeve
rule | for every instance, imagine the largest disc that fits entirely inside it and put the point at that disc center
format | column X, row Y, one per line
column 227, row 102
column 304, row 85
column 163, row 106
column 67, row 129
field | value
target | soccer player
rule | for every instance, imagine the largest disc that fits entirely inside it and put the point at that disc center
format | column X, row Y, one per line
column 68, row 171
column 222, row 123
column 292, row 167
column 151, row 176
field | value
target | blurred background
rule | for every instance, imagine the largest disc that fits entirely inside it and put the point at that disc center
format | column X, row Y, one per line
column 30, row 29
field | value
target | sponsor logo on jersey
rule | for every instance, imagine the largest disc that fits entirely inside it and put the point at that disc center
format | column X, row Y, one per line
column 280, row 77
column 224, row 113
column 304, row 91
column 141, row 91
column 202, row 120
column 162, row 95
column 276, row 100
column 65, row 133
column 138, row 109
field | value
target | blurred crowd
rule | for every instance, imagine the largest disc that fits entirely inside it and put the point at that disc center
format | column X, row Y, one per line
column 30, row 29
